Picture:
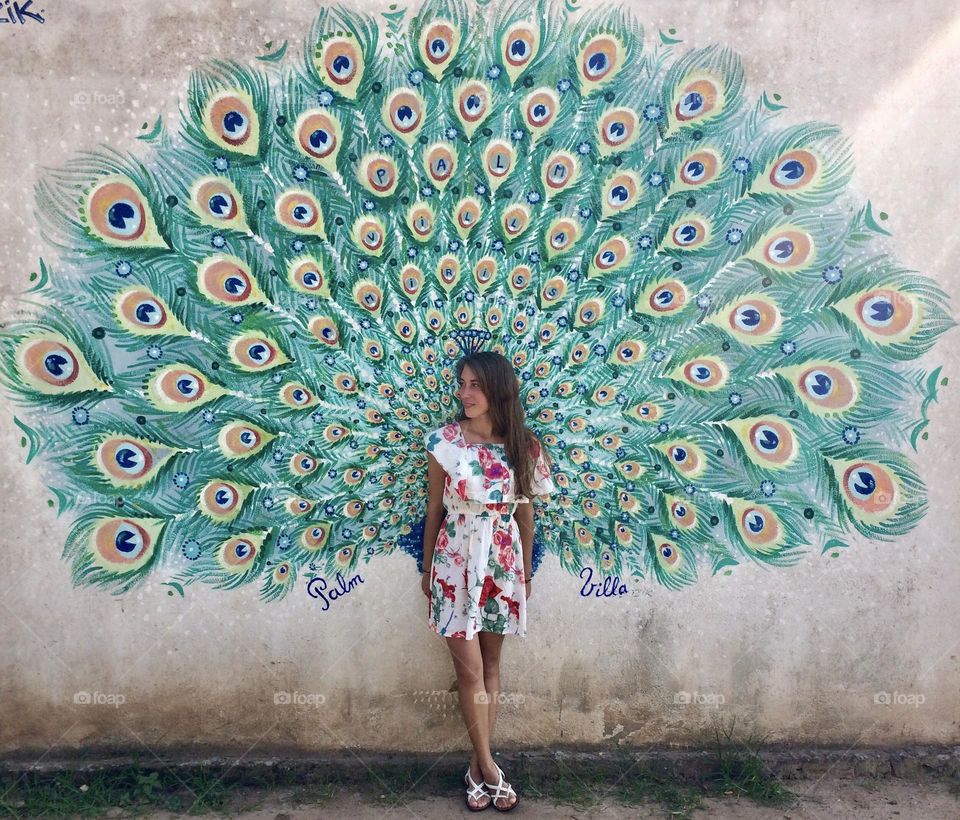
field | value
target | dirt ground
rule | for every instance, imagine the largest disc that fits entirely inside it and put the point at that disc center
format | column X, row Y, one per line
column 824, row 799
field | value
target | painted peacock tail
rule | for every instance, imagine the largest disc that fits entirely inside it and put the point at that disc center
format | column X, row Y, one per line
column 230, row 370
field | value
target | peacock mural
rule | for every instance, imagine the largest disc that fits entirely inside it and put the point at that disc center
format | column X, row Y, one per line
column 228, row 371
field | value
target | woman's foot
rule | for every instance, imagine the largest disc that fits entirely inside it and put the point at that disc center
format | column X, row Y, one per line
column 503, row 794
column 478, row 798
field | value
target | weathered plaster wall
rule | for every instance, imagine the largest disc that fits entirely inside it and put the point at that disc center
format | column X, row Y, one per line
column 798, row 655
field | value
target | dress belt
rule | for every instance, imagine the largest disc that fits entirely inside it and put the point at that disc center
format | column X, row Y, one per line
column 470, row 507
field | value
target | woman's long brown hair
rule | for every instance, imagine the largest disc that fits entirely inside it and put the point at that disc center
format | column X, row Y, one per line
column 500, row 386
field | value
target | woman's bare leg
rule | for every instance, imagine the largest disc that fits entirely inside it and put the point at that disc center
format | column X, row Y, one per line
column 468, row 664
column 491, row 644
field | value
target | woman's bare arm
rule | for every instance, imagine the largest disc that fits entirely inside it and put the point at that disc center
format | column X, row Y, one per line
column 524, row 518
column 435, row 509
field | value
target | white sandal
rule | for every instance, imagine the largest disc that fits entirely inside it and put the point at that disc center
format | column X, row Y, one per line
column 476, row 791
column 501, row 791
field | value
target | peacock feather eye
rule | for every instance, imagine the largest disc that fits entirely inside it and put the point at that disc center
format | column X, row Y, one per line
column 306, row 275
column 404, row 112
column 437, row 46
column 617, row 130
column 228, row 280
column 297, row 396
column 240, row 439
column 553, row 291
column 50, row 363
column 620, row 193
column 282, row 572
column 302, row 464
column 485, row 271
column 871, row 490
column 579, row 353
column 405, row 330
column 645, row 411
column 703, row 373
column 368, row 296
column 612, row 254
column 118, row 214
column 341, row 65
column 515, row 220
column 471, row 103
column 499, row 159
column 559, row 171
column 218, row 204
column 326, row 330
column 440, row 162
column 319, row 136
column 180, row 388
column 448, row 271
column 299, row 211
column 466, row 216
column 758, row 526
column 143, row 313
column 603, row 395
column 794, row 170
column 378, row 174
column 688, row 233
column 785, row 249
column 222, row 500
column 562, row 235
column 124, row 545
column 754, row 319
column 128, row 462
column 369, row 235
column 698, row 98
column 682, row 513
column 253, row 352
column 825, row 387
column 599, row 61
column 421, row 221
column 538, row 111
column 589, row 312
column 520, row 277
column 686, row 457
column 668, row 553
column 519, row 45
column 885, row 315
column 494, row 318
column 315, row 538
column 238, row 554
column 698, row 169
column 768, row 441
column 230, row 121
column 411, row 278
column 298, row 506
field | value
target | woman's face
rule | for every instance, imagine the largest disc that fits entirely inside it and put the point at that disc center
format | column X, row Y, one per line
column 471, row 396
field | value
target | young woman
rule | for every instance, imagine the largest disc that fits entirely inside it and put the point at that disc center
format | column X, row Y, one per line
column 484, row 468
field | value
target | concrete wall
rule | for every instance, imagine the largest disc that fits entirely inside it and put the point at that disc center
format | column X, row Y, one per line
column 799, row 655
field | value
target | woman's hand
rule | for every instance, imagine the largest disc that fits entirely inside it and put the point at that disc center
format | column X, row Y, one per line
column 425, row 583
column 526, row 589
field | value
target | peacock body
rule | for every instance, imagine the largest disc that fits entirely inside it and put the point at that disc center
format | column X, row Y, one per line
column 230, row 369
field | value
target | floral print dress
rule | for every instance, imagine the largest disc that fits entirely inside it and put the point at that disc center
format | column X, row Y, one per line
column 476, row 578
